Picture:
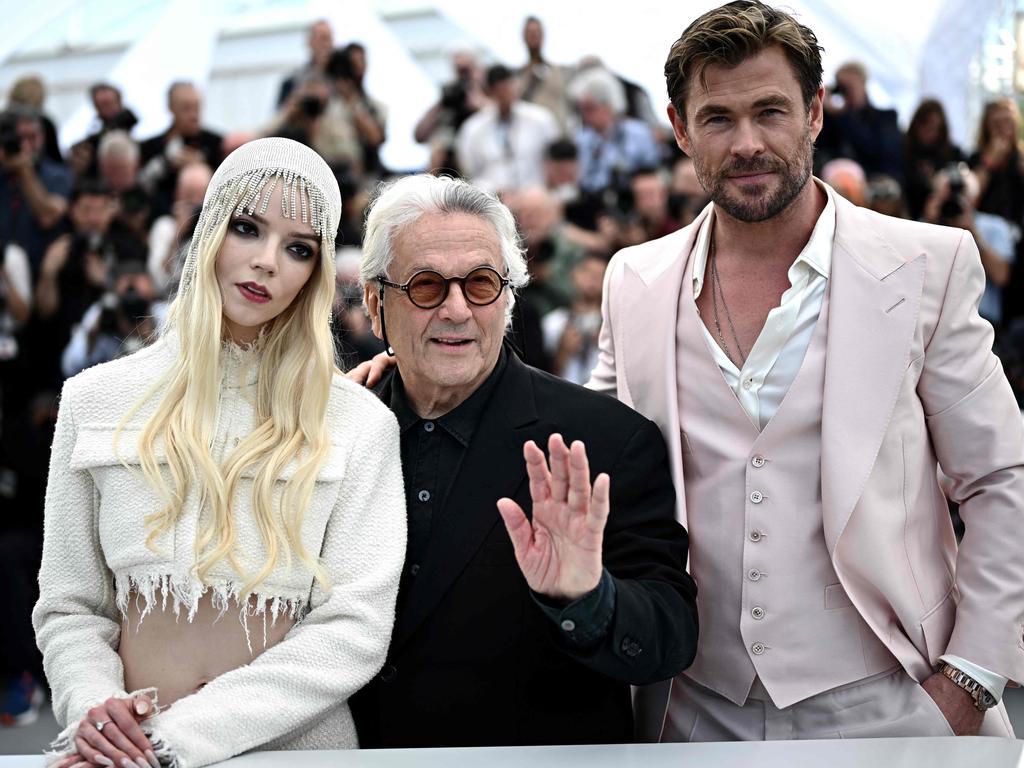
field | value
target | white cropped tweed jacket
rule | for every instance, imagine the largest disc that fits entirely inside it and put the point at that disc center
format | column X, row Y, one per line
column 292, row 696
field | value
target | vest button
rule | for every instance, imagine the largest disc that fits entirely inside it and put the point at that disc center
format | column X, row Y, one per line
column 757, row 649
column 758, row 461
column 755, row 536
column 757, row 612
column 753, row 574
column 423, row 496
column 388, row 674
column 757, row 497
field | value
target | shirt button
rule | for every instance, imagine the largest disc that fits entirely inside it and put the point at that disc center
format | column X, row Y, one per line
column 755, row 536
column 237, row 440
column 757, row 497
column 423, row 495
column 414, row 569
column 428, row 426
column 757, row 649
column 568, row 625
column 748, row 383
column 758, row 461
column 753, row 574
column 757, row 612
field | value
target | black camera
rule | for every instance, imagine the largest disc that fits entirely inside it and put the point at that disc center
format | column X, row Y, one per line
column 954, row 205
column 124, row 120
column 339, row 66
column 10, row 141
column 311, row 106
column 454, row 95
column 122, row 312
column 83, row 243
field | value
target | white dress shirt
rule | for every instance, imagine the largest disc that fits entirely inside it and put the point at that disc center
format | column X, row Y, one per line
column 776, row 356
column 507, row 154
column 778, row 353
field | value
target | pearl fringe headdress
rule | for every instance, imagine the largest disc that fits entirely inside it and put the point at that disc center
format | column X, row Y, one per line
column 245, row 182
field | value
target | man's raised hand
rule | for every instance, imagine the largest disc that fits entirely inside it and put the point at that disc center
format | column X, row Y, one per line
column 559, row 550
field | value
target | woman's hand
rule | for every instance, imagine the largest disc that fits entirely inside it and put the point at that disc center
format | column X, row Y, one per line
column 109, row 735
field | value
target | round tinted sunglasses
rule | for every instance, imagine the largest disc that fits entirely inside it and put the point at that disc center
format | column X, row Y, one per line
column 428, row 289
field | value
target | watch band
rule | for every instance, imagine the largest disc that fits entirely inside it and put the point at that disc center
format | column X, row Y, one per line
column 983, row 700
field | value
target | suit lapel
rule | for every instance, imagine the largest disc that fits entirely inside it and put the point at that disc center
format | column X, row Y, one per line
column 492, row 467
column 873, row 304
column 647, row 342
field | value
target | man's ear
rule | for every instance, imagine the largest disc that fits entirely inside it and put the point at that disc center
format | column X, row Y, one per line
column 679, row 129
column 371, row 299
column 816, row 113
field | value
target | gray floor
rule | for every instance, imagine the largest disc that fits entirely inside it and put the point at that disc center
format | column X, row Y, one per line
column 33, row 738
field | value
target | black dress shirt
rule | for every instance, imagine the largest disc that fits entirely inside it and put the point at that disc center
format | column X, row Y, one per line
column 432, row 453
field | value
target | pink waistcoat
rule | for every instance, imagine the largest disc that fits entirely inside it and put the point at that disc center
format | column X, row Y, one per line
column 769, row 601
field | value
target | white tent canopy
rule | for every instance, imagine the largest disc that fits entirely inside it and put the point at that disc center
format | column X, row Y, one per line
column 239, row 50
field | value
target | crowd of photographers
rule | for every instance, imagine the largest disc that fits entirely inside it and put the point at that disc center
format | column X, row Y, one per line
column 91, row 240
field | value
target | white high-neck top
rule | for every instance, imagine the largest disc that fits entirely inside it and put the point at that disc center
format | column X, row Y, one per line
column 95, row 556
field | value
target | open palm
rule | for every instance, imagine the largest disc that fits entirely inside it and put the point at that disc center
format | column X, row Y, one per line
column 559, row 550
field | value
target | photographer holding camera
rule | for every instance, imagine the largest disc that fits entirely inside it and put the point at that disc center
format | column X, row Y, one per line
column 33, row 188
column 353, row 125
column 570, row 333
column 78, row 267
column 855, row 128
column 953, row 203
column 112, row 115
column 185, row 142
column 120, row 323
column 460, row 98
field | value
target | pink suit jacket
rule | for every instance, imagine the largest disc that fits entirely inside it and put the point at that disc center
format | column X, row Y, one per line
column 911, row 384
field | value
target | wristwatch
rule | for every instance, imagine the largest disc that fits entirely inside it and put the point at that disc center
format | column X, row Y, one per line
column 982, row 698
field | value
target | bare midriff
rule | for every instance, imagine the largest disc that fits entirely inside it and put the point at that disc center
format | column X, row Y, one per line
column 178, row 657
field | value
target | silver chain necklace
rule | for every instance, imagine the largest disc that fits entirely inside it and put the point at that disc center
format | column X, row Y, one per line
column 716, row 291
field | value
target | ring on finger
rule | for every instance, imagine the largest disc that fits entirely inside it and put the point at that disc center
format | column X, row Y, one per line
column 102, row 724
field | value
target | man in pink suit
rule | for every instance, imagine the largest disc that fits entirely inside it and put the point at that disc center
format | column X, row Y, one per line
column 813, row 366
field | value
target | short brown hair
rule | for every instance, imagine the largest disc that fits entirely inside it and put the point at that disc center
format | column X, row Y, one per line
column 734, row 32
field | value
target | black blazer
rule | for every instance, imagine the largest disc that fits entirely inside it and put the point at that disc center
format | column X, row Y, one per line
column 473, row 660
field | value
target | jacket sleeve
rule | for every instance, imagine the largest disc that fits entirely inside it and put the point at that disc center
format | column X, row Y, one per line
column 652, row 634
column 978, row 435
column 76, row 620
column 336, row 648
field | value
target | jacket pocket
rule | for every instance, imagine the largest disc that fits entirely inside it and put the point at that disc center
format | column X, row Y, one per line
column 937, row 626
column 836, row 597
column 124, row 496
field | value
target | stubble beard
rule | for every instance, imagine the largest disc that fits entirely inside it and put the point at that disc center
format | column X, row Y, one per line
column 756, row 204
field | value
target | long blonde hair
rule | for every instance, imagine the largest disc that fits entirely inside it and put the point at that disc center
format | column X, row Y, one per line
column 296, row 364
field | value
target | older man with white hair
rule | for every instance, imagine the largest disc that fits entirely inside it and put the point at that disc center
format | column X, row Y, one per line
column 611, row 146
column 529, row 632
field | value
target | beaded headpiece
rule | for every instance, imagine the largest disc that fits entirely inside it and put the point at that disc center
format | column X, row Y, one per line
column 245, row 182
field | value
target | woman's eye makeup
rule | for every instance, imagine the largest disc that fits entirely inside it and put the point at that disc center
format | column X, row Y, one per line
column 302, row 251
column 243, row 226
column 299, row 249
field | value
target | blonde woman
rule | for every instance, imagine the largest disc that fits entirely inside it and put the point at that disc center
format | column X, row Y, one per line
column 225, row 521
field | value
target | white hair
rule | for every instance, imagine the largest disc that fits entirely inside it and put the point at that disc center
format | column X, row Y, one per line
column 118, row 144
column 400, row 203
column 599, row 85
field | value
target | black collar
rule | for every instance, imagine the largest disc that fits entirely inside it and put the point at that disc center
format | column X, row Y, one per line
column 462, row 420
